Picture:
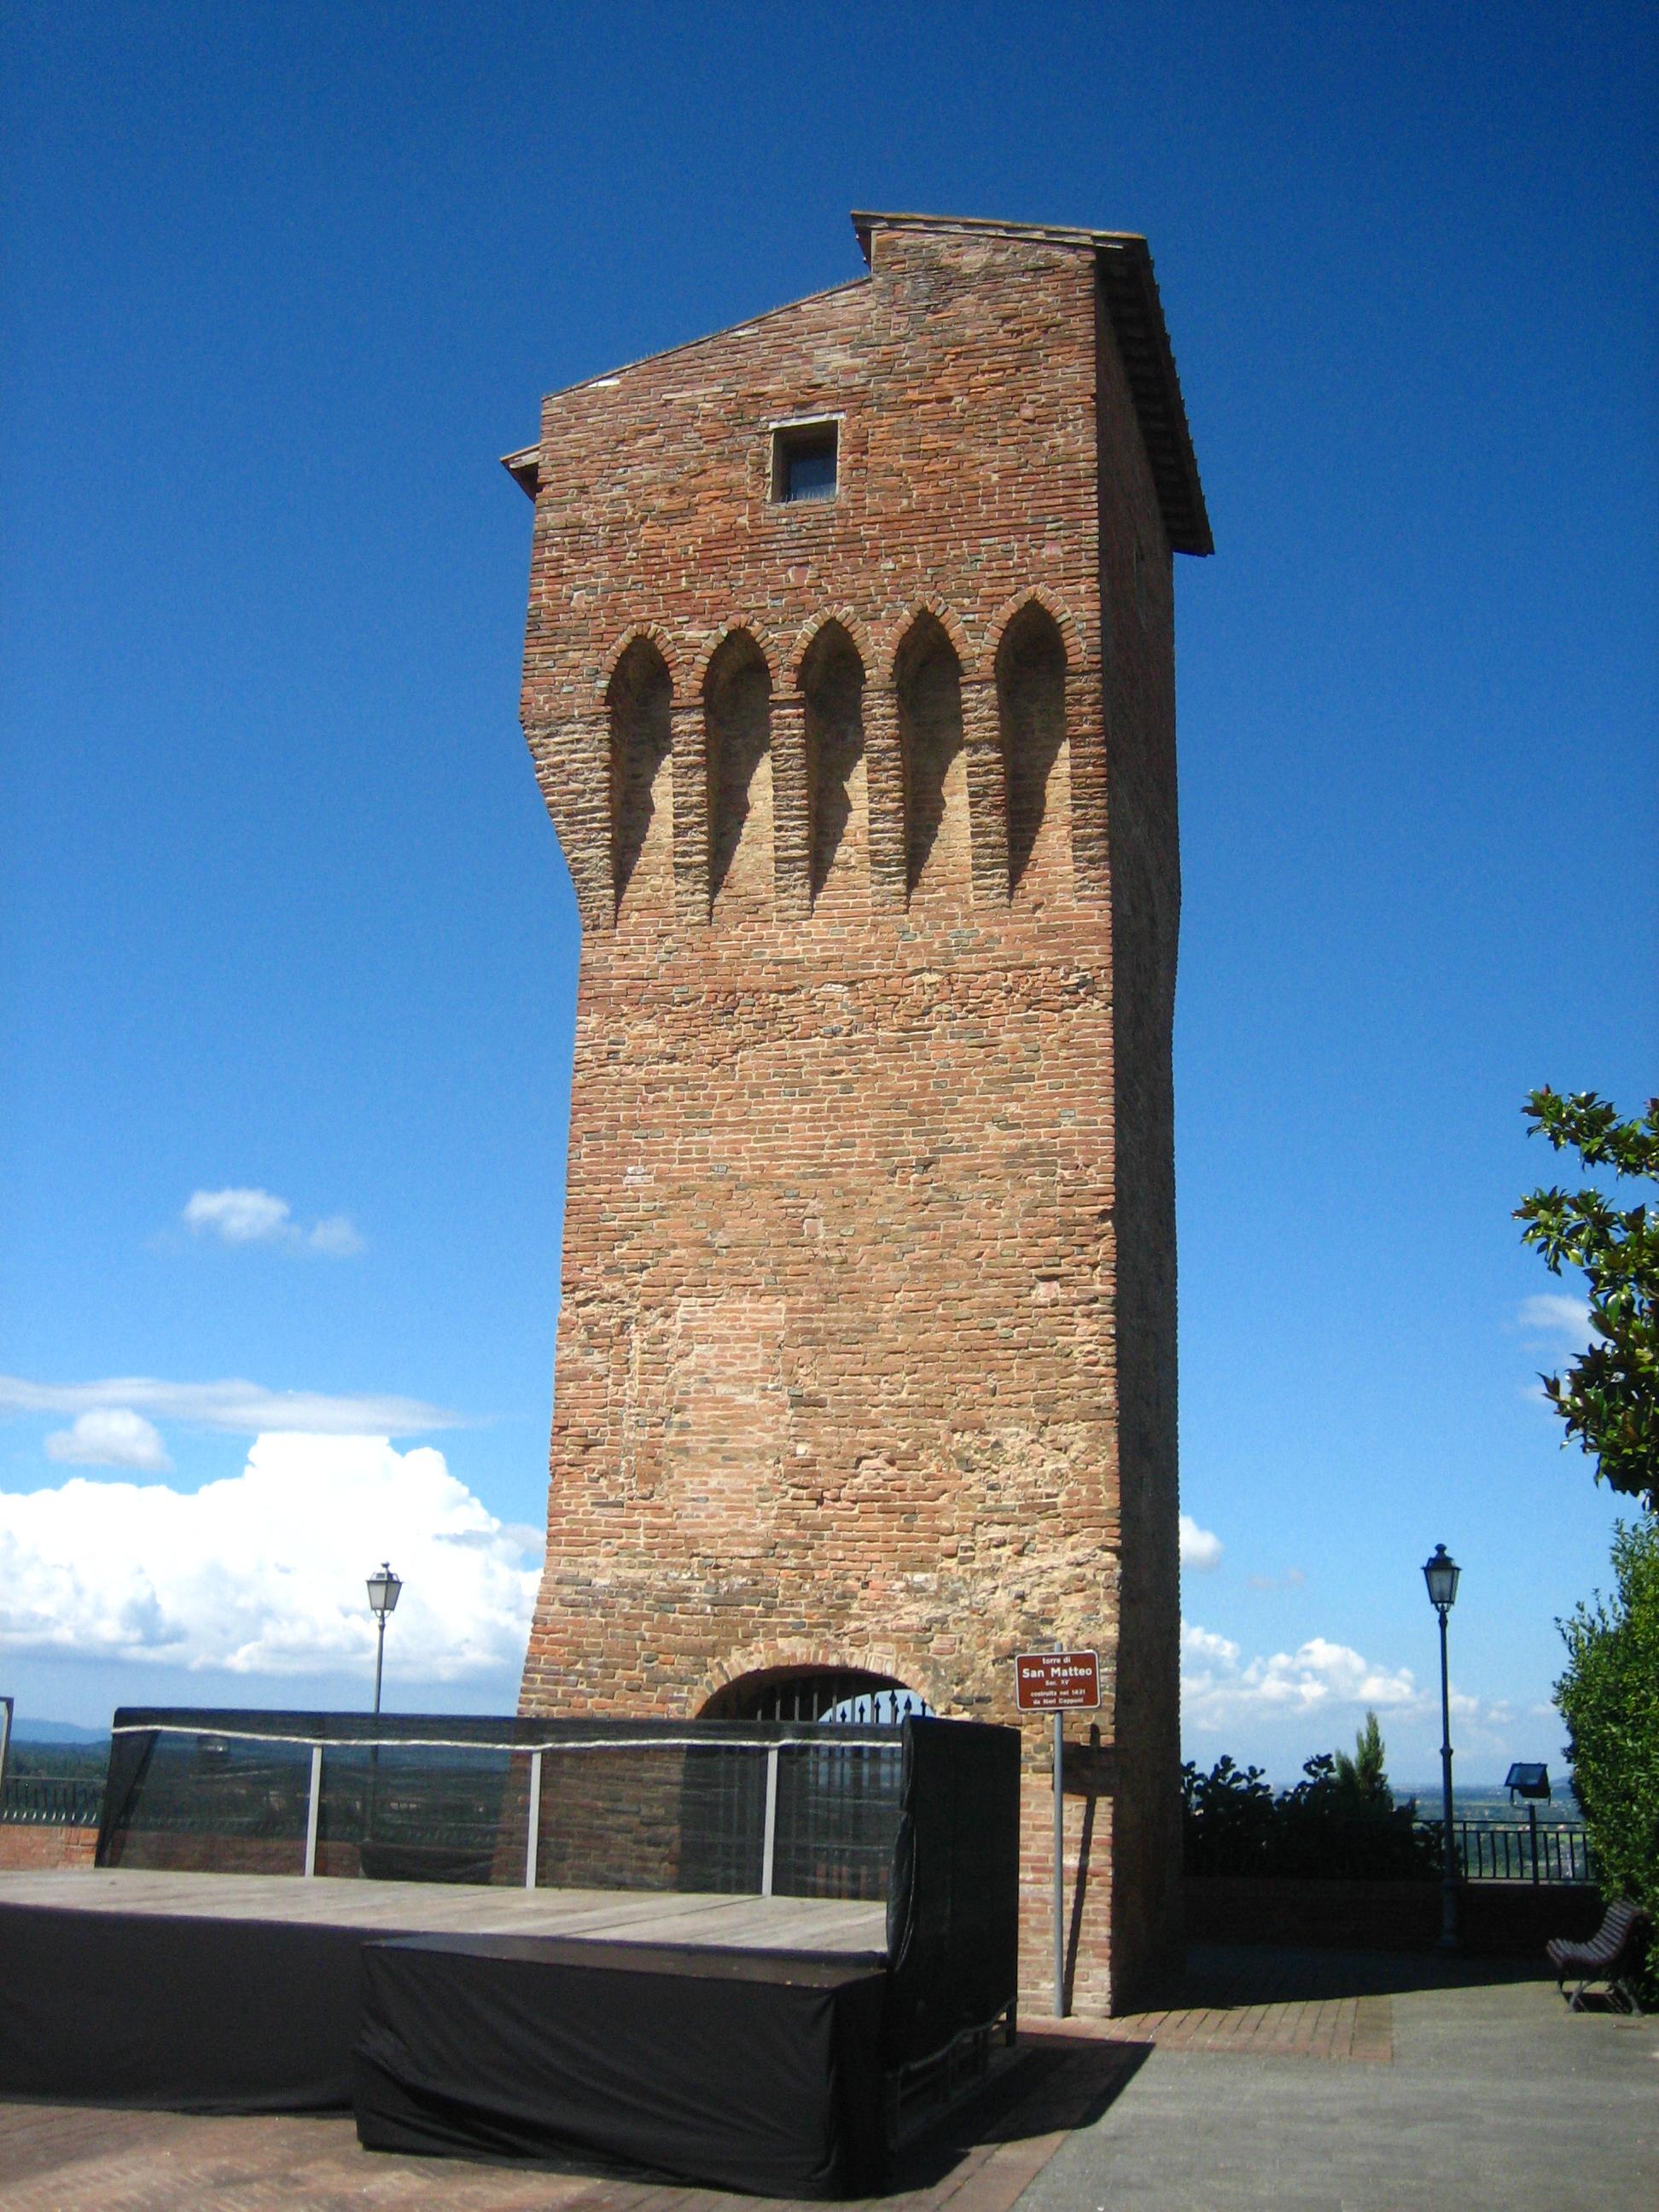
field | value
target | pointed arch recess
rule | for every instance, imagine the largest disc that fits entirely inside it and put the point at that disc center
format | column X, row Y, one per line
column 927, row 678
column 1073, row 636
column 652, row 634
column 830, row 677
column 737, row 684
column 948, row 620
column 639, row 702
column 733, row 626
column 1031, row 669
column 846, row 618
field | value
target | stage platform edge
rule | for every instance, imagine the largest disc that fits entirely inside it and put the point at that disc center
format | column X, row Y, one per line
column 110, row 1992
column 733, row 2070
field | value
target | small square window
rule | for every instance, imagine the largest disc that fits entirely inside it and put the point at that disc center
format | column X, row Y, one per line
column 804, row 459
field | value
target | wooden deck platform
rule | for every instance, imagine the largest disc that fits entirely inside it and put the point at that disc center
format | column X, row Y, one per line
column 828, row 1927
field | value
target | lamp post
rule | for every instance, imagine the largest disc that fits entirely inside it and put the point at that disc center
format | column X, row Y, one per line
column 1441, row 1573
column 384, row 1589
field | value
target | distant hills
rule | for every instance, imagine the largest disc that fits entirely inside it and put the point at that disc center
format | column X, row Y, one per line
column 1489, row 1800
column 24, row 1730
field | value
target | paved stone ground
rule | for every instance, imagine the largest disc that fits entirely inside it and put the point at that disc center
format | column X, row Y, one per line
column 1496, row 2095
column 1474, row 2086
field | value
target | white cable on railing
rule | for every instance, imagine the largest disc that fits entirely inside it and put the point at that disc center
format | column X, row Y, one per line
column 837, row 1733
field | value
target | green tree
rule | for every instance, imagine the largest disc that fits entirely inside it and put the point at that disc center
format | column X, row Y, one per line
column 1362, row 1781
column 1609, row 1699
column 1233, row 1824
column 1609, row 1397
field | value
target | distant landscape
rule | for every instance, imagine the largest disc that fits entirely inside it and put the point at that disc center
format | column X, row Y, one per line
column 60, row 1751
column 1491, row 1803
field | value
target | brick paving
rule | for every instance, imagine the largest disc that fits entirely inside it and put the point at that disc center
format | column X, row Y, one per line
column 1359, row 2029
column 980, row 2158
column 61, row 2158
column 1273, row 2004
column 1488, row 2090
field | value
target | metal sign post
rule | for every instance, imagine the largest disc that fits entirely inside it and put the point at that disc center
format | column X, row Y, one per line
column 1060, row 2006
column 1058, row 1682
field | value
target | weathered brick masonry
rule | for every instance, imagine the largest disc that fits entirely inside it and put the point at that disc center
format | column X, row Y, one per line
column 866, row 1357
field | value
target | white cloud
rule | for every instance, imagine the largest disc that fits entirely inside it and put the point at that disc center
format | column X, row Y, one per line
column 110, row 1437
column 259, row 1217
column 1486, row 1713
column 263, row 1573
column 239, row 1216
column 243, row 1409
column 1204, row 1647
column 1292, row 1578
column 1319, row 1676
column 1200, row 1549
column 335, row 1235
column 1554, row 1313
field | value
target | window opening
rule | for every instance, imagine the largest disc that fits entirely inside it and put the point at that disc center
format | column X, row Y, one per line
column 804, row 458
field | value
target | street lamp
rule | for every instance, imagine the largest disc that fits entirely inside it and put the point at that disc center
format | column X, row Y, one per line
column 1441, row 1573
column 384, row 1589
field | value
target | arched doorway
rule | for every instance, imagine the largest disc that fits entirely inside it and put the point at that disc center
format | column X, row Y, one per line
column 850, row 1694
column 815, row 1819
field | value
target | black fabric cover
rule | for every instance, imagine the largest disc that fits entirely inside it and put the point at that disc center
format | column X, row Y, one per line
column 198, row 2015
column 625, row 1804
column 953, row 1905
column 740, row 2070
column 129, row 1762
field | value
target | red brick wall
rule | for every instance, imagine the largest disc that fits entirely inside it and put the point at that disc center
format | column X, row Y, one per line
column 866, row 1350
column 24, row 1843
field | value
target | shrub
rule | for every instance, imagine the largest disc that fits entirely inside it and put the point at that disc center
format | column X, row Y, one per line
column 1338, row 1822
column 1609, row 1699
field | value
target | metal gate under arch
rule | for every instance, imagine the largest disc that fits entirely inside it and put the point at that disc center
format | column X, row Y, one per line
column 838, row 1696
column 827, row 1804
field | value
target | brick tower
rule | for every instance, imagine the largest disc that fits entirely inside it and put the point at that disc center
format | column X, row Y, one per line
column 849, row 684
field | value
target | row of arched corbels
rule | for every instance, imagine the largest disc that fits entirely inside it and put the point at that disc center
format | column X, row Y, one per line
column 686, row 659
column 573, row 751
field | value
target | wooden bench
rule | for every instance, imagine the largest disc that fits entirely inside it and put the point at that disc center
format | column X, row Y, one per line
column 1612, row 1955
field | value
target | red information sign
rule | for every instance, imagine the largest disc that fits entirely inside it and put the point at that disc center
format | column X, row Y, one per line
column 1057, row 1681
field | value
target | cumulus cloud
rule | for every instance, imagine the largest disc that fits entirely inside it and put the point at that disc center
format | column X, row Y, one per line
column 110, row 1437
column 243, row 1408
column 1493, row 1713
column 259, row 1217
column 1204, row 1648
column 1218, row 1686
column 264, row 1573
column 238, row 1217
column 335, row 1235
column 1555, row 1314
column 1200, row 1549
column 1292, row 1578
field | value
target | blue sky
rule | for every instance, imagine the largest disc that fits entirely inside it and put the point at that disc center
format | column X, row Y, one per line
column 282, row 913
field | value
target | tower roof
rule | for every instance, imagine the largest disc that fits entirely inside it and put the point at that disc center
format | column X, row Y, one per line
column 1125, row 267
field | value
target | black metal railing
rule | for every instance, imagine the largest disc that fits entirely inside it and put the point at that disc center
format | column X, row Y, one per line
column 50, row 1800
column 1520, row 1850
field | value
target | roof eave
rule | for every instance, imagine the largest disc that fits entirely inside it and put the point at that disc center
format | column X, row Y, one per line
column 1125, row 267
column 525, row 469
